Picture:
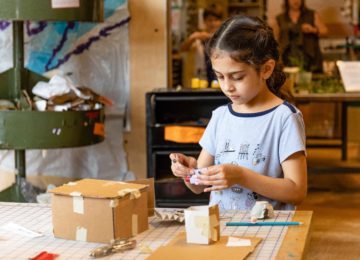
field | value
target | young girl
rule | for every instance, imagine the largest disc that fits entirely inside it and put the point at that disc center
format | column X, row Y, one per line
column 254, row 147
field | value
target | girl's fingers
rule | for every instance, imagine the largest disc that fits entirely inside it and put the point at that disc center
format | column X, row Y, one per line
column 215, row 188
column 209, row 171
column 211, row 183
column 180, row 170
column 174, row 157
column 205, row 177
column 179, row 158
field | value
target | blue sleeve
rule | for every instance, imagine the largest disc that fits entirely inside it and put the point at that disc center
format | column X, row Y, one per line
column 292, row 138
column 208, row 140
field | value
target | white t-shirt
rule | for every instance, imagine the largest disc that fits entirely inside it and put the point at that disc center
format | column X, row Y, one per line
column 258, row 141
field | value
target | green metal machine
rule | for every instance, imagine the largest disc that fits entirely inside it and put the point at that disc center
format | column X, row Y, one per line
column 26, row 129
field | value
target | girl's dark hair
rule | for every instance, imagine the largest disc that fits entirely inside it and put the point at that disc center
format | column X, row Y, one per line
column 213, row 10
column 250, row 40
column 287, row 7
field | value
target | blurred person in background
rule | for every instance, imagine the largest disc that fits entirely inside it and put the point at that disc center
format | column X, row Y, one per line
column 212, row 17
column 298, row 30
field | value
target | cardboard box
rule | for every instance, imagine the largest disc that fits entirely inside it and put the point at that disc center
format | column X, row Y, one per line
column 99, row 210
column 202, row 224
column 150, row 193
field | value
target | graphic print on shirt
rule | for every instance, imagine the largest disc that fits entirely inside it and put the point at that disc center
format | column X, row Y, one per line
column 243, row 153
column 221, row 205
column 217, row 158
column 226, row 153
column 251, row 199
column 235, row 202
column 237, row 189
column 258, row 157
column 228, row 148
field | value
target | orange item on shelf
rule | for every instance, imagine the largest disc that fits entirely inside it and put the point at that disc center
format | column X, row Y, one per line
column 183, row 134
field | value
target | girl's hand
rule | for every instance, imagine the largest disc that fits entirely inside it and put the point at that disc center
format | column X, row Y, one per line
column 308, row 28
column 219, row 177
column 202, row 36
column 182, row 165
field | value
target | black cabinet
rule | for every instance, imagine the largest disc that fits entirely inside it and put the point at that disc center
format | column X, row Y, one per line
column 168, row 107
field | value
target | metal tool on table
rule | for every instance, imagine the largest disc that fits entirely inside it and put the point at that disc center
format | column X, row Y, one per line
column 119, row 245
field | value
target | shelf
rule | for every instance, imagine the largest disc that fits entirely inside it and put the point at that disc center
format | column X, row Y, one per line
column 174, row 193
column 253, row 8
column 180, row 124
column 40, row 130
column 12, row 194
column 244, row 5
column 23, row 129
column 169, row 107
column 40, row 10
column 191, row 98
column 175, row 146
column 326, row 166
column 178, row 108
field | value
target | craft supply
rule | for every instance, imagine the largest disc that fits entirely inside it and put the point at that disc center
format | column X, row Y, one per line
column 194, row 178
column 166, row 214
column 202, row 224
column 261, row 210
column 20, row 230
column 117, row 246
column 279, row 223
column 238, row 241
column 44, row 256
column 179, row 249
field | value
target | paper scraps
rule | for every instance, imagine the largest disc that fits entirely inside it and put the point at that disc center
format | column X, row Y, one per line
column 237, row 241
column 20, row 230
column 170, row 214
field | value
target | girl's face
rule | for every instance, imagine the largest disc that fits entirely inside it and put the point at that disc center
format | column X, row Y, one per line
column 212, row 23
column 294, row 4
column 239, row 81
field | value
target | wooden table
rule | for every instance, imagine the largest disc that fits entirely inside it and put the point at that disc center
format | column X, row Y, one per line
column 297, row 239
column 345, row 99
column 290, row 242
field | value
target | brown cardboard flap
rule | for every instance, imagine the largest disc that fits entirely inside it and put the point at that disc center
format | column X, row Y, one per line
column 151, row 193
column 179, row 249
column 96, row 222
column 97, row 188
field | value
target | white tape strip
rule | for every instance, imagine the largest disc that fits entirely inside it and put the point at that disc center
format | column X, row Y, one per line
column 78, row 202
column 114, row 203
column 81, row 234
column 134, row 225
column 65, row 3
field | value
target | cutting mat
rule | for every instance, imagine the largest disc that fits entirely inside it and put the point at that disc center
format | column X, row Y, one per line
column 37, row 217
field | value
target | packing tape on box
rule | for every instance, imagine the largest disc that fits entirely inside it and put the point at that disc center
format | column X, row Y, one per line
column 114, row 203
column 81, row 234
column 134, row 193
column 134, row 224
column 78, row 202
